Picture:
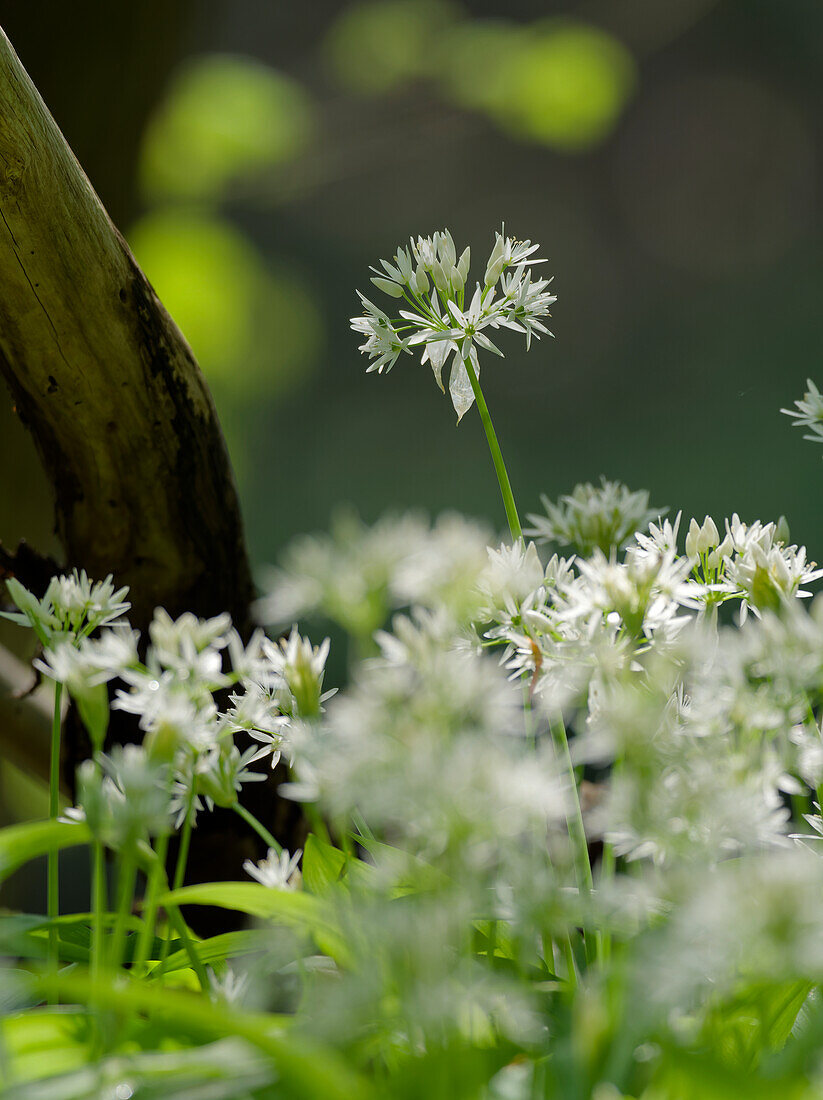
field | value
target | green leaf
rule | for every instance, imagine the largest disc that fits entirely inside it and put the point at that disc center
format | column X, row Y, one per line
column 26, row 935
column 93, row 706
column 43, row 1042
column 323, row 865
column 291, row 907
column 229, row 945
column 306, row 1069
column 21, row 843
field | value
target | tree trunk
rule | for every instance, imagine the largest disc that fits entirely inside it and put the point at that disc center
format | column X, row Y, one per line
column 103, row 378
column 121, row 417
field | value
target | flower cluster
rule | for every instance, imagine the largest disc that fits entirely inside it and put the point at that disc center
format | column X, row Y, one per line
column 172, row 694
column 605, row 517
column 808, row 413
column 72, row 607
column 445, row 319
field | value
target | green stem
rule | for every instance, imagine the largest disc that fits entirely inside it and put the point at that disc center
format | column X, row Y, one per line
column 125, row 899
column 261, row 830
column 571, row 965
column 608, row 865
column 180, row 868
column 574, row 821
column 182, row 929
column 53, row 871
column 98, row 905
column 153, row 887
column 185, row 841
column 497, row 455
column 151, row 864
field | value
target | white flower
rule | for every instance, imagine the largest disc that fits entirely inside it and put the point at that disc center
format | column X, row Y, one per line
column 526, row 301
column 508, row 252
column 81, row 604
column 808, row 413
column 231, row 988
column 92, row 661
column 761, row 569
column 601, row 516
column 645, row 591
column 160, row 700
column 190, row 646
column 73, row 606
column 301, row 666
column 278, row 871
column 701, row 538
column 440, row 320
column 221, row 771
column 383, row 343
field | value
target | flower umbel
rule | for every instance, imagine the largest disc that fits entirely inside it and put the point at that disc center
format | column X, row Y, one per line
column 432, row 279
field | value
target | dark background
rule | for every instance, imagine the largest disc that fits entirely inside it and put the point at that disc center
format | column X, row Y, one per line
column 259, row 156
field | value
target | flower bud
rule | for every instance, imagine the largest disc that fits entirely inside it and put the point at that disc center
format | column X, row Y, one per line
column 692, row 539
column 448, row 253
column 463, row 263
column 421, row 281
column 494, row 271
column 162, row 742
column 456, row 278
column 724, row 550
column 404, row 264
column 93, row 705
column 701, row 539
column 388, row 287
column 439, row 276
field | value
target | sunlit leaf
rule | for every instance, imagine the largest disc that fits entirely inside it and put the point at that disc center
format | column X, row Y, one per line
column 21, row 843
column 223, row 116
column 377, row 44
column 254, row 328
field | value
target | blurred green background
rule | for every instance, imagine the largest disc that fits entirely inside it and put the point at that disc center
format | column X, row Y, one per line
column 259, row 156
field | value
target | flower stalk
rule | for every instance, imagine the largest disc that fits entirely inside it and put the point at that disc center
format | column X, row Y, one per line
column 53, row 867
column 497, row 456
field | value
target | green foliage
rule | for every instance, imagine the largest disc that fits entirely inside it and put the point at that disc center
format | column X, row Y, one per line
column 222, row 118
column 21, row 843
column 252, row 327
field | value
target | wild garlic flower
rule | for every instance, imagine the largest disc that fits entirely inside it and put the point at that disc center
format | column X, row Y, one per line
column 257, row 711
column 357, row 575
column 767, row 573
column 73, row 606
column 594, row 517
column 752, row 563
column 278, row 871
column 433, row 280
column 220, row 773
column 808, row 413
column 92, row 661
column 345, row 576
column 816, row 823
column 190, row 646
column 428, row 745
column 129, row 800
column 511, row 579
column 645, row 592
column 229, row 987
column 301, row 665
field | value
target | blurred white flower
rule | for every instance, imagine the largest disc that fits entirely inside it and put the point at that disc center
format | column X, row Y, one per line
column 278, row 871
column 592, row 517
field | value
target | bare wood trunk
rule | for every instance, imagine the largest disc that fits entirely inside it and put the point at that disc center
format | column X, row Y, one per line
column 103, row 378
column 122, row 419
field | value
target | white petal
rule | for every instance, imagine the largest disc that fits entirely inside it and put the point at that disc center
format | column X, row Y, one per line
column 460, row 387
